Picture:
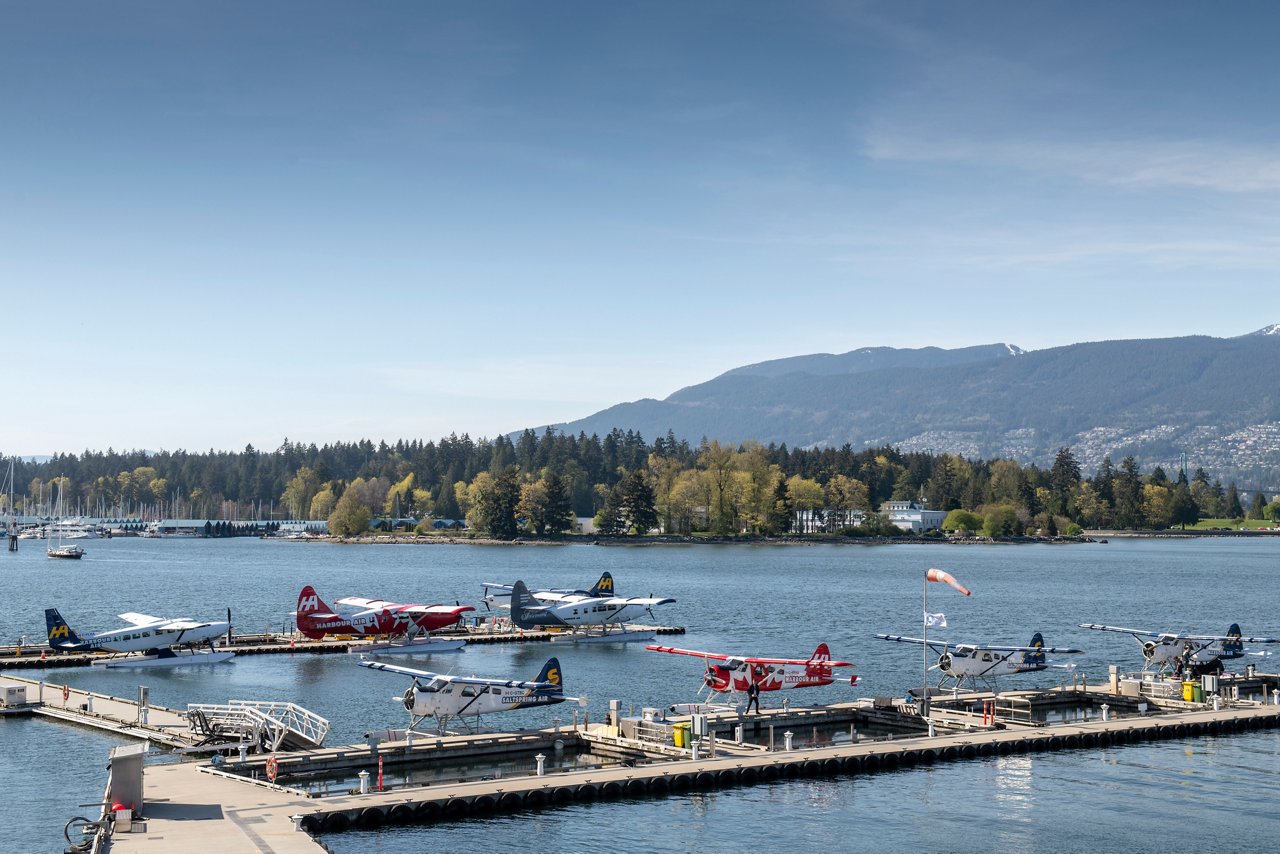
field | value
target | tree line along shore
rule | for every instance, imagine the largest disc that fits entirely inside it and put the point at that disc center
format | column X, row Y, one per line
column 542, row 485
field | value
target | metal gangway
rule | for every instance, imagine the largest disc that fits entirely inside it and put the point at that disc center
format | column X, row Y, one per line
column 269, row 726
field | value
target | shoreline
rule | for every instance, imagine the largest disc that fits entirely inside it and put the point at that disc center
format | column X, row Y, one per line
column 661, row 540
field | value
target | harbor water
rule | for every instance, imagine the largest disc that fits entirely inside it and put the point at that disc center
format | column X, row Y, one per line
column 1204, row 793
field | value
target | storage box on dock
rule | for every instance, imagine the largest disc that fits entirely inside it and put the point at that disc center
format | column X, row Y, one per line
column 12, row 694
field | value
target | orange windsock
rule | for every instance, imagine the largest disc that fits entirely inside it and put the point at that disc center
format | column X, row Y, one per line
column 947, row 578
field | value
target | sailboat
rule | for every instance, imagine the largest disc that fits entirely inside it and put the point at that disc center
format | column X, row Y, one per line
column 61, row 550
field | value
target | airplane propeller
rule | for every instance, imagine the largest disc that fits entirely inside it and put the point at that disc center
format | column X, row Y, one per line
column 944, row 662
column 1148, row 649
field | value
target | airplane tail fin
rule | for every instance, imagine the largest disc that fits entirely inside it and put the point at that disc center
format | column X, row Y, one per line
column 1233, row 646
column 309, row 604
column 61, row 635
column 1037, row 657
column 822, row 653
column 604, row 587
column 550, row 672
column 520, row 600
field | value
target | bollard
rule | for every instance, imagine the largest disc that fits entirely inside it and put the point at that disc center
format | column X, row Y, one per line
column 1106, row 712
column 244, row 753
column 696, row 757
column 932, row 731
column 364, row 782
column 1217, row 703
column 853, row 735
column 1275, row 698
column 556, row 721
column 541, row 759
column 711, row 745
column 88, row 703
column 408, row 739
column 40, row 693
column 786, row 740
column 737, row 733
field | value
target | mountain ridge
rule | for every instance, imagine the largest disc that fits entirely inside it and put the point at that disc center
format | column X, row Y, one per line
column 1153, row 398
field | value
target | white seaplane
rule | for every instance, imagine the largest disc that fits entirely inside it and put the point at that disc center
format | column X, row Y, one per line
column 444, row 697
column 585, row 612
column 499, row 595
column 1201, row 653
column 963, row 662
column 165, row 642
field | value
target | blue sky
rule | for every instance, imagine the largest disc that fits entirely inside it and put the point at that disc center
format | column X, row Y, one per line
column 235, row 222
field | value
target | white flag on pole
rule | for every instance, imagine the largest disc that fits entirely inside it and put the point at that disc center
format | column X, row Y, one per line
column 935, row 621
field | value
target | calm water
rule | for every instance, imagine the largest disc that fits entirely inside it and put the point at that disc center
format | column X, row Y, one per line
column 1168, row 796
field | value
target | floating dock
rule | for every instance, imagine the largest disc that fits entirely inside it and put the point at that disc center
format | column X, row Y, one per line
column 41, row 656
column 236, row 807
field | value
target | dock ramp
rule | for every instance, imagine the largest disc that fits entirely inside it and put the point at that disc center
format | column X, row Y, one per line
column 270, row 726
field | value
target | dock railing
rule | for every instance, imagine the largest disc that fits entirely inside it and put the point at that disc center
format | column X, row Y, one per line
column 270, row 725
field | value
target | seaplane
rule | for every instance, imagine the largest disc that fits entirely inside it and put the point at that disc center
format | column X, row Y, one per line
column 499, row 595
column 736, row 673
column 445, row 697
column 373, row 617
column 964, row 662
column 584, row 612
column 1200, row 653
column 164, row 642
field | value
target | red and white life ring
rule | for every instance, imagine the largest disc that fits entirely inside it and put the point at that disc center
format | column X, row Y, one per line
column 273, row 768
column 66, row 693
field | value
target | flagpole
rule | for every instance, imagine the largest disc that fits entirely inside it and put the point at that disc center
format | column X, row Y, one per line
column 924, row 648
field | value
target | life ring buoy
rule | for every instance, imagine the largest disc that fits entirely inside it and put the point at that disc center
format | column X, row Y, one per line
column 273, row 768
column 66, row 693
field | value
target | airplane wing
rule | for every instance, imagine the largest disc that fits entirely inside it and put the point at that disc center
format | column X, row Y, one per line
column 1050, row 650
column 141, row 619
column 936, row 646
column 435, row 609
column 399, row 668
column 646, row 602
column 1134, row 632
column 693, row 652
column 370, row 605
column 461, row 680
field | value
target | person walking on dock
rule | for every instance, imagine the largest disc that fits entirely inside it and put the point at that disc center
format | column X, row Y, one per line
column 753, row 696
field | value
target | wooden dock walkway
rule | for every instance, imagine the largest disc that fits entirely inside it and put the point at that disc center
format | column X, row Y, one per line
column 40, row 656
column 200, row 805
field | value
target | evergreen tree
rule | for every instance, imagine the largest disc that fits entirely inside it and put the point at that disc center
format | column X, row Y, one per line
column 636, row 504
column 778, row 519
column 1232, row 506
column 1183, row 508
column 1258, row 506
column 559, row 512
column 1064, row 477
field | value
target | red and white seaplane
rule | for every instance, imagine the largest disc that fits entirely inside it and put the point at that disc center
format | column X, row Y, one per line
column 737, row 673
column 372, row 617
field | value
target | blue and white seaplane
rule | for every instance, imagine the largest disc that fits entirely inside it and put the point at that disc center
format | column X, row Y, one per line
column 963, row 662
column 592, row 617
column 444, row 697
column 164, row 642
column 1167, row 651
column 499, row 595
